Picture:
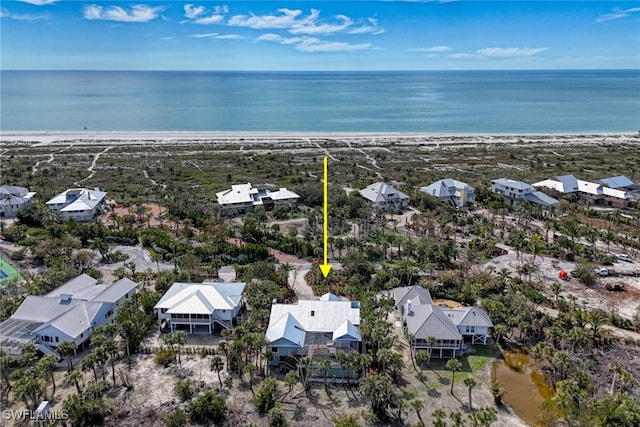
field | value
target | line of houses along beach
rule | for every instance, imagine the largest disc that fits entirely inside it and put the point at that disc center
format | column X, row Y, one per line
column 83, row 204
column 316, row 328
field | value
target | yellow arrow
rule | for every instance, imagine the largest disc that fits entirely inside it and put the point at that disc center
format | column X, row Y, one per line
column 324, row 267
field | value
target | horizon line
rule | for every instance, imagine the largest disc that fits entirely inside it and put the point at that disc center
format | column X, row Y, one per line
column 317, row 71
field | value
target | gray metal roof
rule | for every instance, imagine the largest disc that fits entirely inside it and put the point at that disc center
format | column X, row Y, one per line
column 115, row 291
column 429, row 320
column 447, row 187
column 76, row 320
column 619, row 181
column 468, row 316
column 380, row 192
column 512, row 183
column 417, row 295
column 541, row 198
column 37, row 308
column 13, row 190
column 81, row 287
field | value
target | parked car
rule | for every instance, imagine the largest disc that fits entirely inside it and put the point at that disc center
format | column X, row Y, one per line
column 624, row 257
column 601, row 271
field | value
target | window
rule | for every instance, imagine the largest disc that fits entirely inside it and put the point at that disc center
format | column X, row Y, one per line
column 274, row 349
column 313, row 313
column 57, row 339
column 82, row 335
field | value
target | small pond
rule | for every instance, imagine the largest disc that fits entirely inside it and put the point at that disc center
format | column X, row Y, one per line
column 525, row 386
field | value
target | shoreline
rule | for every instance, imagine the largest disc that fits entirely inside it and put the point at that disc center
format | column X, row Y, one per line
column 248, row 137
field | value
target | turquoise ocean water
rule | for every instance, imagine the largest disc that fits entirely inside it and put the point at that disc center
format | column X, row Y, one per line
column 420, row 102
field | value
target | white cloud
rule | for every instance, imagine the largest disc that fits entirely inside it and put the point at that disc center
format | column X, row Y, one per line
column 462, row 56
column 309, row 25
column 295, row 22
column 217, row 36
column 191, row 11
column 230, row 37
column 203, row 36
column 433, row 49
column 208, row 20
column 5, row 13
column 285, row 20
column 39, row 2
column 510, row 52
column 617, row 14
column 138, row 13
column 221, row 10
column 197, row 14
column 313, row 44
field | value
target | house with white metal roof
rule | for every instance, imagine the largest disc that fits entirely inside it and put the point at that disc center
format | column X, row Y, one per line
column 68, row 313
column 314, row 328
column 385, row 196
column 12, row 199
column 243, row 198
column 595, row 192
column 454, row 192
column 197, row 308
column 449, row 327
column 517, row 192
column 80, row 204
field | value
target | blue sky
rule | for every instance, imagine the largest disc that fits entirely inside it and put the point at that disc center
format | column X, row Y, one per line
column 312, row 35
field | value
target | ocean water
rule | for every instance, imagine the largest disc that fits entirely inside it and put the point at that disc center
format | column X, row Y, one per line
column 420, row 102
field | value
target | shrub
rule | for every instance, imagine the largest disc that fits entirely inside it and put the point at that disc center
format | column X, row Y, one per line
column 265, row 399
column 276, row 417
column 165, row 357
column 183, row 389
column 208, row 406
column 178, row 418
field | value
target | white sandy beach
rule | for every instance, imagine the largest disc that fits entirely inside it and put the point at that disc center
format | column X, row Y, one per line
column 136, row 138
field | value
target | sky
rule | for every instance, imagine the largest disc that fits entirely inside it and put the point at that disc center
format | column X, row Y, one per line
column 318, row 36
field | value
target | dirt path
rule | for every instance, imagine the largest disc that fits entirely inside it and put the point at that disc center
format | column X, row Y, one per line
column 299, row 284
column 93, row 165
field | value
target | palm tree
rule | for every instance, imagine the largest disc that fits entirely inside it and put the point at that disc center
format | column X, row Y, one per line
column 74, row 378
column 217, row 364
column 46, row 366
column 470, row 382
column 66, row 348
column 453, row 365
column 325, row 365
column 417, row 405
column 5, row 361
column 111, row 349
column 180, row 339
column 89, row 362
column 379, row 390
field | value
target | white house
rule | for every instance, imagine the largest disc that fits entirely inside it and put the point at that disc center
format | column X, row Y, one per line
column 243, row 198
column 452, row 191
column 80, row 204
column 68, row 313
column 448, row 326
column 596, row 193
column 517, row 192
column 385, row 196
column 314, row 328
column 12, row 199
column 197, row 308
